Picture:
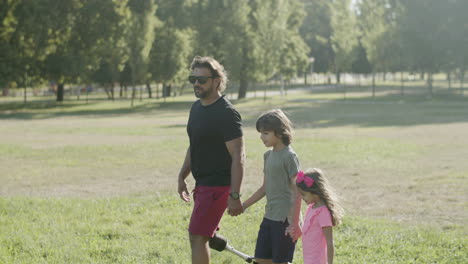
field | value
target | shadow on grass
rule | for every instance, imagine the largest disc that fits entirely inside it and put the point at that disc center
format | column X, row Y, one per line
column 50, row 109
column 385, row 110
column 310, row 110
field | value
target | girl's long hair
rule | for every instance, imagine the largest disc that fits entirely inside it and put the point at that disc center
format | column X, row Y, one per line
column 323, row 189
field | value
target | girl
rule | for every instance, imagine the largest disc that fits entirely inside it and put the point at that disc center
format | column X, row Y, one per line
column 322, row 214
column 281, row 165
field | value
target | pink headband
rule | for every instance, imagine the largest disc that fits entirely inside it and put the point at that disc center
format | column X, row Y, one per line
column 302, row 178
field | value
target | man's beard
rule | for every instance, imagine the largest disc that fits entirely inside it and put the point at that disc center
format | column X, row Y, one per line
column 200, row 93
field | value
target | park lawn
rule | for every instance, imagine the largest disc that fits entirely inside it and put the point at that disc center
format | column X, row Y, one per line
column 95, row 182
column 152, row 229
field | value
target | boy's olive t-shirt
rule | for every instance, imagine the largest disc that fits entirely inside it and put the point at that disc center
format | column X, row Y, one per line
column 279, row 168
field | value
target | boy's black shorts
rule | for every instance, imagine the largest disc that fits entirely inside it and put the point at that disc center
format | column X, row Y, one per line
column 272, row 243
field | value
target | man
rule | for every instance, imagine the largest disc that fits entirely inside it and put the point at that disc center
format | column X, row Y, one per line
column 215, row 156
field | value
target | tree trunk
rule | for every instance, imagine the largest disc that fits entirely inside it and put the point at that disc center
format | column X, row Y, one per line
column 243, row 87
column 449, row 79
column 140, row 92
column 148, row 87
column 121, row 90
column 373, row 85
column 133, row 87
column 462, row 79
column 133, row 94
column 78, row 92
column 25, row 94
column 429, row 85
column 26, row 82
column 60, row 91
column 281, row 85
column 255, row 89
column 112, row 91
column 402, row 86
column 344, row 92
column 157, row 90
column 109, row 89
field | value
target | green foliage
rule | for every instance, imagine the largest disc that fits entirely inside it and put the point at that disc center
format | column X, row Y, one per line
column 83, row 41
column 171, row 48
column 433, row 34
column 344, row 36
column 361, row 63
column 316, row 31
column 139, row 36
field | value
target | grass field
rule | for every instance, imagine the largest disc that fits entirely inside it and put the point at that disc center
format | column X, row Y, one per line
column 96, row 182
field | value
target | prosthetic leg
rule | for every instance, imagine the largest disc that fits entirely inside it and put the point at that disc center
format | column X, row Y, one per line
column 220, row 243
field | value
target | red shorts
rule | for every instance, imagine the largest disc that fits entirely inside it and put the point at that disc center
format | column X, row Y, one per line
column 210, row 204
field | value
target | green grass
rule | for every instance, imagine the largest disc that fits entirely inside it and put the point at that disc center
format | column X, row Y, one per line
column 152, row 229
column 95, row 182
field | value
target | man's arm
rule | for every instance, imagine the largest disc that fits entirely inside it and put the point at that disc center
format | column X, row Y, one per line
column 184, row 172
column 236, row 150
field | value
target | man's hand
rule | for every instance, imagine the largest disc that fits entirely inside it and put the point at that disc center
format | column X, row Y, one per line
column 235, row 207
column 183, row 191
column 294, row 231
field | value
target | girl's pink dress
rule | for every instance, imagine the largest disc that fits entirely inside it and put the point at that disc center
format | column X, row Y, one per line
column 313, row 240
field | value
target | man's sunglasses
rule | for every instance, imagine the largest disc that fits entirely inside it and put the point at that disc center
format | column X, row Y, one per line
column 201, row 79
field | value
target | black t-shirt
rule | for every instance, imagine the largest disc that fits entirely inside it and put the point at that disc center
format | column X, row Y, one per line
column 208, row 128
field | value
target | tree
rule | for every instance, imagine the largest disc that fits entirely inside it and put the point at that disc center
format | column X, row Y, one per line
column 360, row 63
column 139, row 38
column 425, row 36
column 458, row 36
column 293, row 58
column 316, row 31
column 80, row 30
column 172, row 47
column 247, row 36
column 344, row 36
column 170, row 54
column 377, row 23
column 25, row 39
column 111, row 53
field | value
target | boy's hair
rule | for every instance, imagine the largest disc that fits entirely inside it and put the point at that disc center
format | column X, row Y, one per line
column 216, row 69
column 323, row 189
column 275, row 120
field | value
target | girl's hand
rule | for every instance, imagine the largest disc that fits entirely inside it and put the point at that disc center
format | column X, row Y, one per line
column 294, row 231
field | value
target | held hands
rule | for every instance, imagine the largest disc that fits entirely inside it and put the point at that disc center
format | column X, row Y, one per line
column 294, row 231
column 183, row 191
column 234, row 207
